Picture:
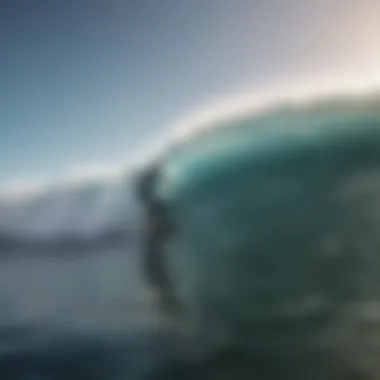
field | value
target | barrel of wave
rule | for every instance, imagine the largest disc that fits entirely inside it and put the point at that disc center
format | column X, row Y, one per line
column 276, row 231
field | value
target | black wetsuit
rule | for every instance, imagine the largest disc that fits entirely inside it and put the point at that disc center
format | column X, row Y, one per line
column 157, row 231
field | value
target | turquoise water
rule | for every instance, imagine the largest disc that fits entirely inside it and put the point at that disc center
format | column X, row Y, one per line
column 277, row 229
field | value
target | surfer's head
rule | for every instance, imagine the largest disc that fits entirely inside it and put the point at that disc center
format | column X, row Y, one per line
column 146, row 183
column 278, row 232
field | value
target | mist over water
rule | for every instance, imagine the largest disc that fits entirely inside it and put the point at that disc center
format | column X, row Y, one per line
column 87, row 208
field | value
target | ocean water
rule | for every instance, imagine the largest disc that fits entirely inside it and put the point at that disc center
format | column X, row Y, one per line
column 79, row 316
column 84, row 314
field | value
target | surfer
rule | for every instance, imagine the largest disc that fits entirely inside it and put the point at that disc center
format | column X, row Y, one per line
column 156, row 232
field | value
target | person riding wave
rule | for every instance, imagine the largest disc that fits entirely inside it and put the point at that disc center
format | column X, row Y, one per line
column 156, row 232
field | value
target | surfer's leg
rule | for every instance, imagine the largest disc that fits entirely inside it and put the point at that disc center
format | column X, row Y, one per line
column 157, row 278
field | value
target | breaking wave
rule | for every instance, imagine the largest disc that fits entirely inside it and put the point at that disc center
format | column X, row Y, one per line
column 91, row 207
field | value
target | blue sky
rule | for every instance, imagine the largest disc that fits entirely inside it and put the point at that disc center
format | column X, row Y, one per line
column 88, row 82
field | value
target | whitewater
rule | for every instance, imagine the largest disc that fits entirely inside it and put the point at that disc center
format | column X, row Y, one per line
column 88, row 208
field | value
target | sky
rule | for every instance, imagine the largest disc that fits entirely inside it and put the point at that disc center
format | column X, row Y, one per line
column 87, row 84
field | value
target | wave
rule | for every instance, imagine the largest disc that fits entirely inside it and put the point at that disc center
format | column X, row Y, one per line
column 88, row 208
